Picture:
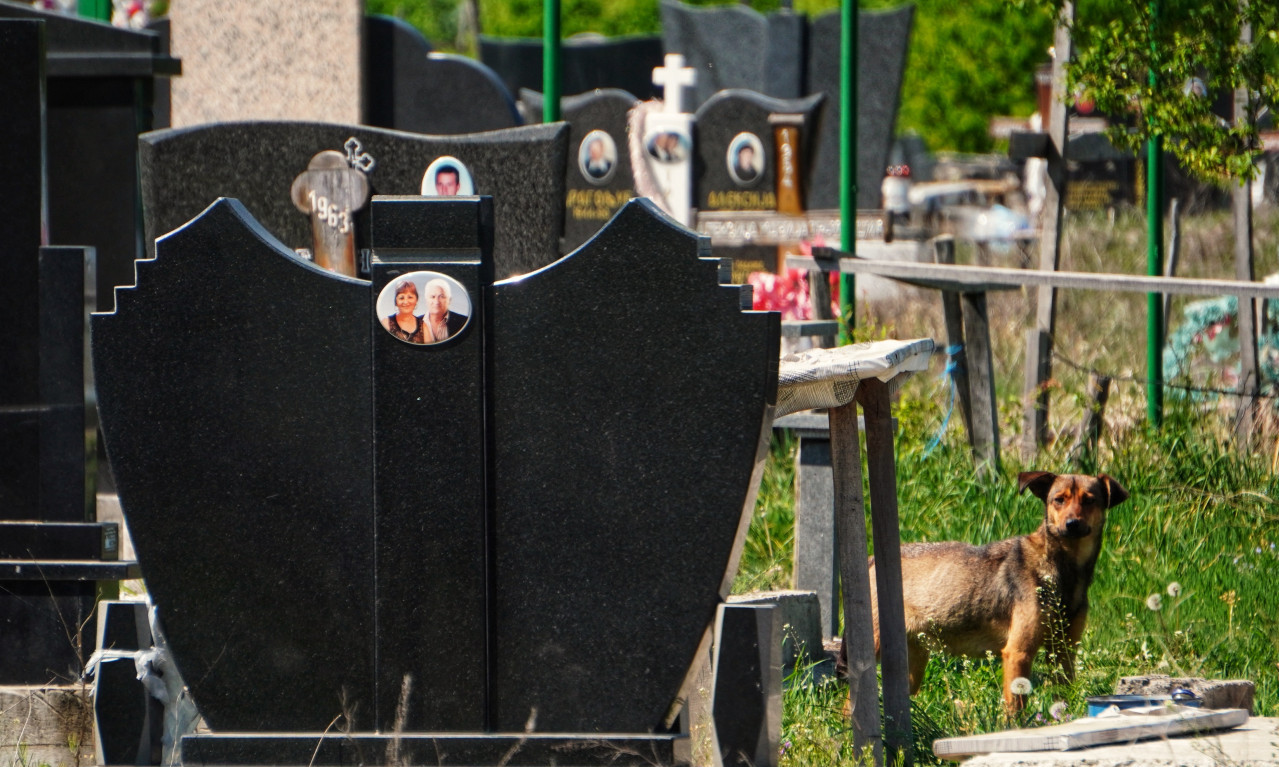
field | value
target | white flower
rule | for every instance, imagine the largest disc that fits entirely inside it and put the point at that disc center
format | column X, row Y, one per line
column 1021, row 686
column 1154, row 602
column 1174, row 589
column 1058, row 710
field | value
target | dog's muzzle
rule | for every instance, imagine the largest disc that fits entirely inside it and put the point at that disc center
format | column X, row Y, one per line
column 1075, row 528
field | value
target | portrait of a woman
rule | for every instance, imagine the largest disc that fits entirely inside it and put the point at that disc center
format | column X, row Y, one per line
column 404, row 324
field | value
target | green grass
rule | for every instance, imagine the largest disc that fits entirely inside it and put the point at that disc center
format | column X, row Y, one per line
column 1203, row 512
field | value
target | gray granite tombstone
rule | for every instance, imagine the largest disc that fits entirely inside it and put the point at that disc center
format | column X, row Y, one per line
column 408, row 87
column 100, row 81
column 184, row 170
column 882, row 41
column 734, row 46
column 597, row 179
column 741, row 163
column 51, row 551
column 336, row 522
column 587, row 62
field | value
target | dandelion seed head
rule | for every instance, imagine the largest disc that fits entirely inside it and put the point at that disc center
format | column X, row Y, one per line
column 1021, row 686
column 1058, row 710
column 1154, row 602
column 1174, row 589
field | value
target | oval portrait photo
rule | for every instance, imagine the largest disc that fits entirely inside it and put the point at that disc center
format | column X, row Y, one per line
column 424, row 308
column 667, row 146
column 745, row 158
column 597, row 157
column 447, row 176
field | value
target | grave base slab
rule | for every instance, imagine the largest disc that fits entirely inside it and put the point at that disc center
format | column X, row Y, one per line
column 510, row 749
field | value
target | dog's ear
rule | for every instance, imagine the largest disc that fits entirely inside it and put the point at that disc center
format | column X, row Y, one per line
column 1039, row 483
column 1115, row 492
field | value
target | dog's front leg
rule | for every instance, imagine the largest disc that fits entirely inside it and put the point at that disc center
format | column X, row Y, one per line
column 1024, row 638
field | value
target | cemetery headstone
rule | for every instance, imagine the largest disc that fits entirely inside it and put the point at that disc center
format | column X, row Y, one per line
column 267, row 61
column 752, row 155
column 747, row 703
column 99, row 84
column 587, row 62
column 408, row 87
column 51, row 552
column 667, row 139
column 184, row 170
column 481, row 584
column 1099, row 176
column 882, row 38
column 330, row 191
column 734, row 46
column 598, row 179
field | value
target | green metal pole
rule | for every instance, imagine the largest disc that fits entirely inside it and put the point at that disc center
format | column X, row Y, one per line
column 848, row 159
column 1154, row 248
column 550, row 61
column 94, row 9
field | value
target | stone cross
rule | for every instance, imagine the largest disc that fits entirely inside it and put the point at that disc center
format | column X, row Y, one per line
column 668, row 139
column 331, row 191
column 674, row 77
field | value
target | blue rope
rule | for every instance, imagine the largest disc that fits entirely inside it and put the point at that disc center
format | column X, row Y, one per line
column 952, row 365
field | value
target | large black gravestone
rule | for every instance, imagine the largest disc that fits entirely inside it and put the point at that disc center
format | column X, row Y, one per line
column 882, row 40
column 597, row 178
column 100, row 83
column 407, row 87
column 184, row 170
column 587, row 62
column 510, row 523
column 734, row 46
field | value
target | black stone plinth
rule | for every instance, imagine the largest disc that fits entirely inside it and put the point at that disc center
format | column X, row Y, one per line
column 747, row 695
column 444, row 749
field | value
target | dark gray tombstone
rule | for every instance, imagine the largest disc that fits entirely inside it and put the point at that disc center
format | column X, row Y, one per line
column 587, row 62
column 51, row 551
column 407, row 87
column 747, row 697
column 409, row 514
column 598, row 179
column 185, row 170
column 100, row 81
column 728, row 125
column 734, row 46
column 1098, row 175
column 882, row 41
column 128, row 719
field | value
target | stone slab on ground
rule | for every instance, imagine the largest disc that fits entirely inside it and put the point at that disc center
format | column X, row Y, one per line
column 1215, row 693
column 1255, row 742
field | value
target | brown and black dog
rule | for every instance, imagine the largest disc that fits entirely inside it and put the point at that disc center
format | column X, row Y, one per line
column 1000, row 597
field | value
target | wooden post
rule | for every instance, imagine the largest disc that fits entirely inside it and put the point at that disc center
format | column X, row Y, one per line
column 981, row 383
column 1084, row 451
column 850, row 535
column 1250, row 372
column 944, row 253
column 1039, row 339
column 1174, row 253
column 882, row 472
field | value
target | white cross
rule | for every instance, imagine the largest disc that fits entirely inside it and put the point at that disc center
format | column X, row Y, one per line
column 674, row 77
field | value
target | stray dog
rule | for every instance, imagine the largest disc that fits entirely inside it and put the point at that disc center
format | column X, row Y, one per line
column 1004, row 597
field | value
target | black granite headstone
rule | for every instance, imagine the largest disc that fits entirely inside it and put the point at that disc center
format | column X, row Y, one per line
column 597, row 179
column 747, row 697
column 882, row 40
column 327, row 514
column 128, row 719
column 184, row 170
column 100, row 84
column 734, row 46
column 407, row 87
column 587, row 62
column 1099, row 176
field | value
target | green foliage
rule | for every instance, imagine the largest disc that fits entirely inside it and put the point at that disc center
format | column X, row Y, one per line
column 1137, row 60
column 436, row 19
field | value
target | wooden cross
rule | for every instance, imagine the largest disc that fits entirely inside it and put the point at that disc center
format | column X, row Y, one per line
column 674, row 77
column 330, row 190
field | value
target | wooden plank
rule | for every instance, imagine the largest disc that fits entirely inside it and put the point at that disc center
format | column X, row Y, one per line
column 981, row 383
column 944, row 253
column 1084, row 451
column 1250, row 370
column 985, row 279
column 850, row 534
column 765, row 227
column 880, row 466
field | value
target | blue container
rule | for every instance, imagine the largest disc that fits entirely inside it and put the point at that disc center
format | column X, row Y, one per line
column 1180, row 696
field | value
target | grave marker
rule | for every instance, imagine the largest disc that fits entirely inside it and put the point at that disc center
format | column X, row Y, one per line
column 185, row 170
column 587, row 62
column 330, row 191
column 443, row 567
column 668, row 138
